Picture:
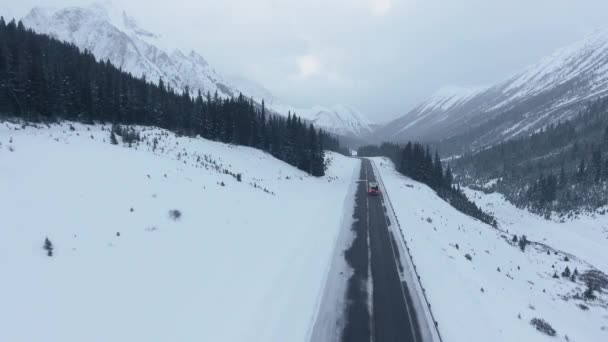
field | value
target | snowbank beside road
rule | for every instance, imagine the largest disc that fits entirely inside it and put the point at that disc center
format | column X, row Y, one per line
column 244, row 262
column 481, row 286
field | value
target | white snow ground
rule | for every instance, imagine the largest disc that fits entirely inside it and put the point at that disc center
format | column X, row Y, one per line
column 474, row 300
column 241, row 264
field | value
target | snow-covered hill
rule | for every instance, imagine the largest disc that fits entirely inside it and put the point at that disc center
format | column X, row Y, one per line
column 111, row 34
column 127, row 267
column 481, row 285
column 550, row 91
column 338, row 119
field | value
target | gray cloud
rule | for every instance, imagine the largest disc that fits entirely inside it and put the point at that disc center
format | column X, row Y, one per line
column 382, row 56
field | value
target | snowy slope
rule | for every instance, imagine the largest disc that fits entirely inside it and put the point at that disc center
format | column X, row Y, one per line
column 552, row 90
column 493, row 296
column 434, row 110
column 111, row 34
column 227, row 270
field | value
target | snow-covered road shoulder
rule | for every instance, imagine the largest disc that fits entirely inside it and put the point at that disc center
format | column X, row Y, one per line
column 480, row 284
column 172, row 239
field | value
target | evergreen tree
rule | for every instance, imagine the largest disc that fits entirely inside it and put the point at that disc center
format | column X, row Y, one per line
column 48, row 247
column 596, row 165
column 563, row 180
column 449, row 177
column 437, row 171
column 581, row 171
column 113, row 139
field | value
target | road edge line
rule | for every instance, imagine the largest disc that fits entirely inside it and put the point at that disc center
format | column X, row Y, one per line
column 414, row 279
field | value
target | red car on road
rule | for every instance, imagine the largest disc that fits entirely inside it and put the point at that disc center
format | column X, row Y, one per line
column 373, row 188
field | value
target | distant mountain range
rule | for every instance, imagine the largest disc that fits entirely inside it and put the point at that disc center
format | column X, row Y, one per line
column 553, row 90
column 458, row 119
column 112, row 34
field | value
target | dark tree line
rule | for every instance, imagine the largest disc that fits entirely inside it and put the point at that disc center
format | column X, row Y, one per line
column 562, row 168
column 43, row 79
column 416, row 161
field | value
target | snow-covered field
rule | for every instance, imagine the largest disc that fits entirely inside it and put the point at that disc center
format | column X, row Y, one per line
column 585, row 236
column 494, row 295
column 246, row 261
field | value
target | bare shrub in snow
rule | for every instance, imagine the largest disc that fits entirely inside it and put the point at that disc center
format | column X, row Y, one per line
column 468, row 256
column 523, row 242
column 595, row 281
column 589, row 292
column 175, row 214
column 113, row 139
column 542, row 326
column 48, row 247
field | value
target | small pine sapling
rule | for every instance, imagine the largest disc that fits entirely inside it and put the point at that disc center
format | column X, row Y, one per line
column 48, row 247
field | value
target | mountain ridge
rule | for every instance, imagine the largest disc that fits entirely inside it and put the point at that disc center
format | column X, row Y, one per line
column 552, row 90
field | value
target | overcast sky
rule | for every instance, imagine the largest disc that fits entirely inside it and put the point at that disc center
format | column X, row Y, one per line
column 380, row 56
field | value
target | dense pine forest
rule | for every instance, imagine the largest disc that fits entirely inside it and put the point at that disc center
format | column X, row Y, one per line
column 415, row 161
column 562, row 168
column 43, row 79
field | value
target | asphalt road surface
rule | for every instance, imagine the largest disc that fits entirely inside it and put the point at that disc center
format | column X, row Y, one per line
column 389, row 316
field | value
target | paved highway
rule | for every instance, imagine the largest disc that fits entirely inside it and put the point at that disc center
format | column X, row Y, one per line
column 389, row 315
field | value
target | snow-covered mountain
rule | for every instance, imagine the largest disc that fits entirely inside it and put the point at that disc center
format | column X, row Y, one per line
column 550, row 91
column 338, row 119
column 111, row 34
